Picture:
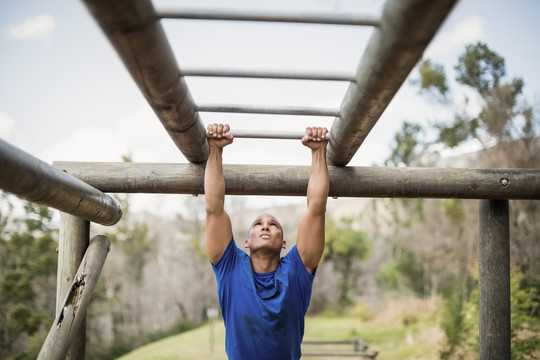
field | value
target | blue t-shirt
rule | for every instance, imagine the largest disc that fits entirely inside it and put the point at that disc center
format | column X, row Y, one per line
column 263, row 313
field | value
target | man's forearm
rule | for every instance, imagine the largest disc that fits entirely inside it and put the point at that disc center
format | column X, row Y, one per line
column 318, row 185
column 214, row 181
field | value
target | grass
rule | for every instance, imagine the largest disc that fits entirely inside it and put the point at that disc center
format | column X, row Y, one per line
column 405, row 329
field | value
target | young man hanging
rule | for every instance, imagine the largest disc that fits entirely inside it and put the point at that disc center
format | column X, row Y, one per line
column 263, row 296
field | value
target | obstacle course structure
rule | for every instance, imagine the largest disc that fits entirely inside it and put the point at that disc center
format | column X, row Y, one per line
column 133, row 27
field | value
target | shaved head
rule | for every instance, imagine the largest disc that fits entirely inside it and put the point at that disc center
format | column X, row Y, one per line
column 261, row 217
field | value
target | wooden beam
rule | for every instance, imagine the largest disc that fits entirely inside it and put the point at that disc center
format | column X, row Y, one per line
column 292, row 180
column 494, row 280
column 76, row 301
column 136, row 33
column 393, row 50
column 73, row 240
column 34, row 180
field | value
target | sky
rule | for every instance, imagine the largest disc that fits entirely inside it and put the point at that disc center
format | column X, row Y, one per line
column 65, row 94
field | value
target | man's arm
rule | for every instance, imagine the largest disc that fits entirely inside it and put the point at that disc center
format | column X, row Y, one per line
column 310, row 241
column 218, row 223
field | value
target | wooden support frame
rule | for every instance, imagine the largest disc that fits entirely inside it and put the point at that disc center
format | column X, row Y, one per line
column 34, row 180
column 494, row 280
column 401, row 36
column 76, row 301
column 136, row 33
column 73, row 241
column 292, row 180
column 395, row 47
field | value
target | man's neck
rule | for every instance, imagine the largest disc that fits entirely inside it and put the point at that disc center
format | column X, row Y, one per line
column 263, row 262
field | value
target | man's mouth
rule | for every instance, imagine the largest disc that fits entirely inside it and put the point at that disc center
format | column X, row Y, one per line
column 265, row 236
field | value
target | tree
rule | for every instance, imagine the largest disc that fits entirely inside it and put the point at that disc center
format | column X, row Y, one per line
column 506, row 128
column 343, row 246
column 28, row 263
column 409, row 146
column 525, row 322
column 504, row 118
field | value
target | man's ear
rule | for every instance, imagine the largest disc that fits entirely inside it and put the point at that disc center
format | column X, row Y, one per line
column 283, row 244
column 246, row 244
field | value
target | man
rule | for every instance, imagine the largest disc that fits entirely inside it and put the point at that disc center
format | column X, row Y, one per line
column 264, row 298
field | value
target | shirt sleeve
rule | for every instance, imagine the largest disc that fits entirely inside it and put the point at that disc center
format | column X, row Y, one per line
column 227, row 261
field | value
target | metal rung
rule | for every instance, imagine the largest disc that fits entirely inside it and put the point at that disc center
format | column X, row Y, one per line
column 283, row 135
column 275, row 110
column 234, row 73
column 323, row 18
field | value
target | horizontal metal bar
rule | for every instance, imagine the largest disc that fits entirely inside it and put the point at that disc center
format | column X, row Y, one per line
column 275, row 110
column 265, row 134
column 330, row 342
column 330, row 354
column 34, row 180
column 280, row 180
column 258, row 74
column 230, row 15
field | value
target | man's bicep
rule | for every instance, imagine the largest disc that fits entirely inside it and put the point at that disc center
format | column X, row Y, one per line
column 310, row 240
column 218, row 235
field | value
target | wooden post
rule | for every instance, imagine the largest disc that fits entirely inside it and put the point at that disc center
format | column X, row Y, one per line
column 73, row 242
column 494, row 279
column 75, row 303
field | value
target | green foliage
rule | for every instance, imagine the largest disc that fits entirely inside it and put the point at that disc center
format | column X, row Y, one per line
column 459, row 131
column 342, row 241
column 460, row 320
column 452, row 319
column 389, row 276
column 454, row 210
column 433, row 78
column 480, row 68
column 28, row 262
column 501, row 116
column 343, row 246
column 403, row 273
column 406, row 150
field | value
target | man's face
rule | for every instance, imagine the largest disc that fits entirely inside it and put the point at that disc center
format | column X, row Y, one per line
column 265, row 232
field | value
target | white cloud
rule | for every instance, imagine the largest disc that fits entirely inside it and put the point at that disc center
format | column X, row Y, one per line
column 6, row 124
column 37, row 27
column 448, row 43
column 86, row 144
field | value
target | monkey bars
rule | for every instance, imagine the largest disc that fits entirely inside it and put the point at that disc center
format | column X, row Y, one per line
column 399, row 38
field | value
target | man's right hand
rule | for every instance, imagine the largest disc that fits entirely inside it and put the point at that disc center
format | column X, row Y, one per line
column 219, row 135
